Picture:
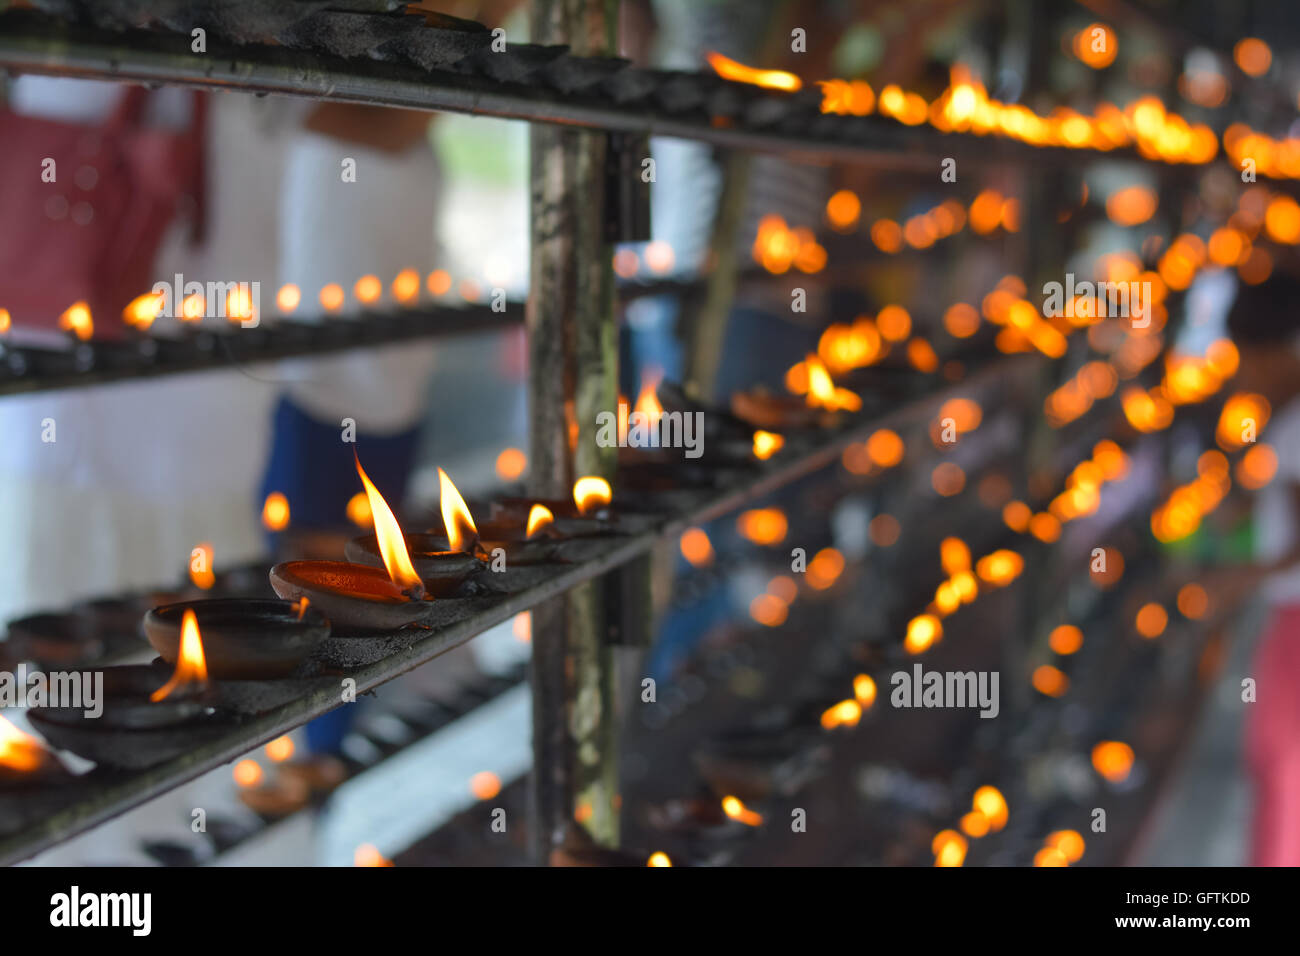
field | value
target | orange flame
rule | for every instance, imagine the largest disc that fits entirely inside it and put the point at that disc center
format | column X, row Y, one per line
column 392, row 546
column 767, row 444
column 358, row 511
column 729, row 69
column 280, row 749
column 734, row 808
column 143, row 309
column 76, row 319
column 1113, row 759
column 303, row 604
column 590, row 493
column 191, row 667
column 647, row 403
column 539, row 516
column 18, row 750
column 822, row 390
column 201, row 566
column 846, row 713
column 5, row 321
column 275, row 512
column 949, row 848
column 455, row 514
column 368, row 855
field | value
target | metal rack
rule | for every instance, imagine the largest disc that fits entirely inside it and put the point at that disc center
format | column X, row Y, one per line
column 576, row 95
column 107, row 794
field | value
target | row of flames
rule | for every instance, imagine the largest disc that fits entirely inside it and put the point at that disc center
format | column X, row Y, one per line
column 964, row 106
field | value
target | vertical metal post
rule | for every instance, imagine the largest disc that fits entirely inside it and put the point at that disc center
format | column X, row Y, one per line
column 573, row 353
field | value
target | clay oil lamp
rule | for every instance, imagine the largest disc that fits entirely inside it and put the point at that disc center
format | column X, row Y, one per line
column 58, row 640
column 242, row 639
column 588, row 514
column 360, row 597
column 582, row 526
column 668, row 442
column 86, row 634
column 260, row 654
column 442, row 561
column 521, row 541
column 816, row 401
column 145, row 718
column 32, row 781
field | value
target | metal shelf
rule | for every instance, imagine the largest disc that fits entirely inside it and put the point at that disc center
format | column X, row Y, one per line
column 525, row 82
column 140, row 355
column 103, row 794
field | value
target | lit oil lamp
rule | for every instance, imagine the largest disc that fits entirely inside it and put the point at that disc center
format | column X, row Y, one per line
column 31, row 779
column 359, row 597
column 143, row 718
column 529, row 540
column 242, row 639
column 443, row 561
column 464, row 548
column 588, row 513
column 22, row 758
column 576, row 528
column 816, row 400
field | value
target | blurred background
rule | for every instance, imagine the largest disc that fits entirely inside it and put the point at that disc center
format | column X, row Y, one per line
column 1139, row 467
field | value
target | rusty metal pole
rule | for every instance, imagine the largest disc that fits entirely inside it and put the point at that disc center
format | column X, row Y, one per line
column 573, row 361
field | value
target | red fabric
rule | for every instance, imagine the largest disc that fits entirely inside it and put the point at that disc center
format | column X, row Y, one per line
column 1273, row 742
column 50, row 255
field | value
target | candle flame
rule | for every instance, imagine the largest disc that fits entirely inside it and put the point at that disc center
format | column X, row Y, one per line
column 647, row 402
column 143, row 309
column 767, row 444
column 302, row 606
column 455, row 515
column 191, row 667
column 539, row 516
column 590, row 493
column 368, row 855
column 729, row 69
column 822, row 390
column 734, row 808
column 19, row 751
column 392, row 546
column 275, row 512
column 77, row 320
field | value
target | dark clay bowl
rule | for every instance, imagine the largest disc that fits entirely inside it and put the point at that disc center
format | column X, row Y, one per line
column 242, row 639
column 441, row 569
column 351, row 596
column 126, row 703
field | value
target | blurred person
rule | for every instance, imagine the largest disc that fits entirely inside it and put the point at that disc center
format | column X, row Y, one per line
column 1263, row 326
column 141, row 472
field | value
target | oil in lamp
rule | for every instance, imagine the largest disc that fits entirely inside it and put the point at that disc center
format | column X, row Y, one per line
column 359, row 597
